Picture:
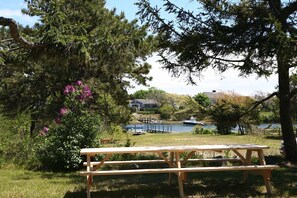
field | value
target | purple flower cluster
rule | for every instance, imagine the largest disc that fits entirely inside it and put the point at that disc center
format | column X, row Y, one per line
column 44, row 131
column 63, row 111
column 69, row 89
column 83, row 90
column 85, row 93
column 79, row 83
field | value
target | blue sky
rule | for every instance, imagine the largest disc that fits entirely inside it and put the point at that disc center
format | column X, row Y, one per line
column 229, row 81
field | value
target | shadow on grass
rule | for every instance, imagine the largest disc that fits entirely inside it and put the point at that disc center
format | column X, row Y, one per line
column 213, row 184
column 128, row 186
column 274, row 137
column 210, row 184
column 285, row 181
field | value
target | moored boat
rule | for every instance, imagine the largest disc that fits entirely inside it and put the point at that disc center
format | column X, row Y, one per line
column 193, row 121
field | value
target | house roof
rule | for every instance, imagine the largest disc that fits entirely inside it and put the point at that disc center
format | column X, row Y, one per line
column 211, row 95
column 146, row 101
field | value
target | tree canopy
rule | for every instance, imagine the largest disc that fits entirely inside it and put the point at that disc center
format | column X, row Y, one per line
column 202, row 99
column 72, row 40
column 252, row 36
column 230, row 111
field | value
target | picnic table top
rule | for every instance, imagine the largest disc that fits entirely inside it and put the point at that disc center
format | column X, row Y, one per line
column 112, row 150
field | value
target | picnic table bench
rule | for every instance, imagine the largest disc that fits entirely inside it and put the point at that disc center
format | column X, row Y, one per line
column 177, row 160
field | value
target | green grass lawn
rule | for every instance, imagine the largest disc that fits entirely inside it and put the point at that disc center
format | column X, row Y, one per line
column 163, row 139
column 18, row 182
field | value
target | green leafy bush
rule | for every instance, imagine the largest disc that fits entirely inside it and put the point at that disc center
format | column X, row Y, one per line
column 75, row 128
column 16, row 145
column 166, row 111
column 200, row 130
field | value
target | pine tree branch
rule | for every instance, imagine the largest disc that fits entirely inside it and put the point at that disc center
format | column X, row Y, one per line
column 14, row 32
column 226, row 59
column 293, row 92
column 290, row 9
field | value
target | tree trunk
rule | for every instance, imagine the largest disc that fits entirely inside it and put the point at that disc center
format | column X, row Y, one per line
column 32, row 127
column 285, row 111
column 33, row 124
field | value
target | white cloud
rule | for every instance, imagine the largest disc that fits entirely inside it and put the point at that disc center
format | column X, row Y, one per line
column 211, row 80
column 18, row 16
column 10, row 13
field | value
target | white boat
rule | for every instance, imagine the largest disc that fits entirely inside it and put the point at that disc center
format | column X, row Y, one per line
column 193, row 121
column 137, row 131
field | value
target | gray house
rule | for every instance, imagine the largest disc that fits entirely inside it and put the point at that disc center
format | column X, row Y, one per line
column 212, row 95
column 141, row 104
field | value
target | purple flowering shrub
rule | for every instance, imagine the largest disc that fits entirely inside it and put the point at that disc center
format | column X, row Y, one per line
column 75, row 127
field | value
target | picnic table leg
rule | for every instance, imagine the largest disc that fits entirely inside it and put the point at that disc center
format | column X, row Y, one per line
column 179, row 176
column 266, row 173
column 89, row 177
column 261, row 157
column 248, row 158
column 170, row 174
column 89, row 187
column 266, row 177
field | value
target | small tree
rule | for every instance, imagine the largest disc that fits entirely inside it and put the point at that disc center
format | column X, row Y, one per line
column 166, row 111
column 226, row 116
column 231, row 110
column 75, row 127
column 202, row 100
column 191, row 108
column 140, row 94
column 157, row 95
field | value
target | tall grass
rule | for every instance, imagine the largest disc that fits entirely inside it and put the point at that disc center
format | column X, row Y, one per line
column 16, row 145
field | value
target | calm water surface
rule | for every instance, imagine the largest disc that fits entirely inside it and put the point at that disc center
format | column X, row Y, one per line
column 182, row 127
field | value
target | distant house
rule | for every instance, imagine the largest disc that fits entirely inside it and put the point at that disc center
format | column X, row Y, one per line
column 212, row 95
column 141, row 104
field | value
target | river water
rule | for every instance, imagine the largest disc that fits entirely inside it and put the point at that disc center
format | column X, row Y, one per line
column 177, row 128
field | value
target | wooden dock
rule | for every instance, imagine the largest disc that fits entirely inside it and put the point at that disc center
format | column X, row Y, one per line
column 150, row 128
column 157, row 128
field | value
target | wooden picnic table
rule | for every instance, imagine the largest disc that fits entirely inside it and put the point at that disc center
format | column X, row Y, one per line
column 177, row 160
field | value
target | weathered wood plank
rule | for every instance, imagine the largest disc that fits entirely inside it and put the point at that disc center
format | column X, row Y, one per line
column 176, row 170
column 163, row 161
column 120, row 150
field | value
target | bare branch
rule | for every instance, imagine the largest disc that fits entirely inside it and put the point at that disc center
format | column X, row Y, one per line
column 5, row 40
column 15, row 49
column 257, row 103
column 14, row 32
column 227, row 60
